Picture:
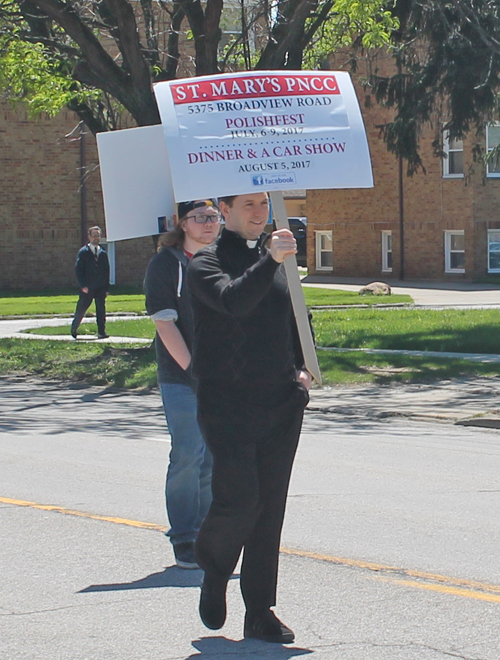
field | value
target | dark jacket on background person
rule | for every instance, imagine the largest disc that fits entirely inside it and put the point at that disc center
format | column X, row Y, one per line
column 91, row 272
column 240, row 298
column 165, row 290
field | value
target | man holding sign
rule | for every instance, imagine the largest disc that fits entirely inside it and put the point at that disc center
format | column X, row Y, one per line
column 242, row 134
column 251, row 397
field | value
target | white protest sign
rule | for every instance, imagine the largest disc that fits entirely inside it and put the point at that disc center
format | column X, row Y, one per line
column 136, row 182
column 257, row 131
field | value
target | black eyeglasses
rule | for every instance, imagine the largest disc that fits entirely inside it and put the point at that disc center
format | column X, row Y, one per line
column 207, row 217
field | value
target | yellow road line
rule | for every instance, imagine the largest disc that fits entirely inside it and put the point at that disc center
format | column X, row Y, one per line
column 382, row 568
column 428, row 581
column 453, row 591
column 82, row 514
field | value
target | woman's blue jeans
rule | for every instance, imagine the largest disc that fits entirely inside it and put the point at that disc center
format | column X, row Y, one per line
column 188, row 487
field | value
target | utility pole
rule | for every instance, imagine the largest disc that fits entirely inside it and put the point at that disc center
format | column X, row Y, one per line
column 83, row 184
column 401, row 222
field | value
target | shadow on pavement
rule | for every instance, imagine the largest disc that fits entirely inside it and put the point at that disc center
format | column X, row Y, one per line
column 58, row 409
column 221, row 647
column 172, row 576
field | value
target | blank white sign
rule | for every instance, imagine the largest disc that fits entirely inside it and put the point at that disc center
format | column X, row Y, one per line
column 136, row 182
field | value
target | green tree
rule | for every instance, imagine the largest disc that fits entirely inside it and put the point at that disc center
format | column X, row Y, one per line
column 100, row 57
column 447, row 67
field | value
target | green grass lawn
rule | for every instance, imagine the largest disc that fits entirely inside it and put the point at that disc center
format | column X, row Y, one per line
column 316, row 296
column 451, row 330
column 131, row 300
column 140, row 327
column 465, row 331
column 128, row 366
column 355, row 368
column 91, row 364
column 65, row 304
column 412, row 329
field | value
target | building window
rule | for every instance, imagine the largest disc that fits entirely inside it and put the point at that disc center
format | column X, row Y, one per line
column 324, row 250
column 453, row 162
column 493, row 250
column 454, row 251
column 387, row 251
column 492, row 141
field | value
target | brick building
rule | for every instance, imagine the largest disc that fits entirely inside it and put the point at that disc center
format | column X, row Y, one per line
column 46, row 207
column 447, row 219
column 449, row 215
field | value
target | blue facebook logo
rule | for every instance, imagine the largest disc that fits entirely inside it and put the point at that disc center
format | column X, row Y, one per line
column 258, row 180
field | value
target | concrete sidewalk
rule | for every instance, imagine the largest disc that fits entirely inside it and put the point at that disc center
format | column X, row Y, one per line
column 467, row 402
column 15, row 328
column 425, row 294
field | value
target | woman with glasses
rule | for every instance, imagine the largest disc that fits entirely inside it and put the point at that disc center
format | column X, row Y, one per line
column 188, row 484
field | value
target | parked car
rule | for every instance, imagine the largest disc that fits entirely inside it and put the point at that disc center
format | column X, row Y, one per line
column 298, row 227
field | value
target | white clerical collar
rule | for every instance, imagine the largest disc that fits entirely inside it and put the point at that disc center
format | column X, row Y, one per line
column 252, row 244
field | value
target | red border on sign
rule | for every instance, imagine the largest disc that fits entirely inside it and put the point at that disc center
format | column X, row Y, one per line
column 234, row 88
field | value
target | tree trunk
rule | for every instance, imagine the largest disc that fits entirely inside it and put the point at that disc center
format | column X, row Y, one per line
column 285, row 41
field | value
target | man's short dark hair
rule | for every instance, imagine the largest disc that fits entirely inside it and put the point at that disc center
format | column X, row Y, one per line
column 228, row 200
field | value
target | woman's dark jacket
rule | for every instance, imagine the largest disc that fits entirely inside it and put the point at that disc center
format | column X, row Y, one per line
column 165, row 289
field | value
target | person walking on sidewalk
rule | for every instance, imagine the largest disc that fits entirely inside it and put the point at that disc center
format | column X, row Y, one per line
column 92, row 273
column 188, row 492
column 252, row 392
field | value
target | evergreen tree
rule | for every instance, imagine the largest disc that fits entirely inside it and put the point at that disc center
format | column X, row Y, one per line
column 447, row 67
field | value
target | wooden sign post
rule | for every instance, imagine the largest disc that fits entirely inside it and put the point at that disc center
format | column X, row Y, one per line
column 296, row 293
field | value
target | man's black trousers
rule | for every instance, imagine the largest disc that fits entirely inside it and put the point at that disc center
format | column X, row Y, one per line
column 252, row 431
column 84, row 302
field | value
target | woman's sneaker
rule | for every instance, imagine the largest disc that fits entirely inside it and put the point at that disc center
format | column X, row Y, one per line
column 184, row 555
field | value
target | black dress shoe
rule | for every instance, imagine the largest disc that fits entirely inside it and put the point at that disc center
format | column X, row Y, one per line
column 102, row 336
column 268, row 628
column 74, row 334
column 213, row 602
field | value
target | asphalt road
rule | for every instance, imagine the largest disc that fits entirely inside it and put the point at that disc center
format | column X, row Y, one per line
column 390, row 546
